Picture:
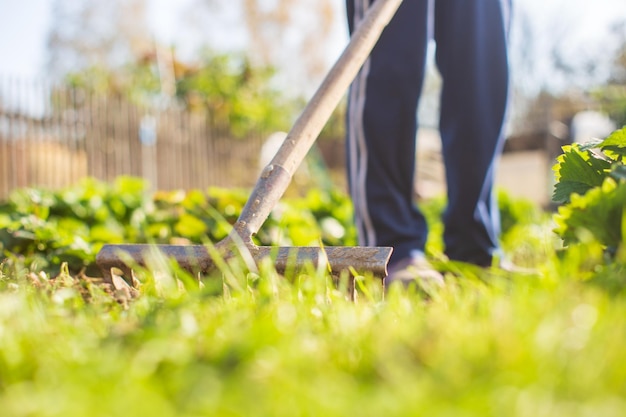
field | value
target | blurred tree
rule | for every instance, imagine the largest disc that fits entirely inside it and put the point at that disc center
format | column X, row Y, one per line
column 229, row 87
column 555, row 49
column 618, row 72
column 299, row 29
column 561, row 66
column 612, row 95
column 105, row 46
column 295, row 36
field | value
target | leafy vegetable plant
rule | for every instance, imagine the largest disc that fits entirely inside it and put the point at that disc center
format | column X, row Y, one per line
column 46, row 228
column 591, row 185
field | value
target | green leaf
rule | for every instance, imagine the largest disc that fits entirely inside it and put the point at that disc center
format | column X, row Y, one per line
column 614, row 146
column 597, row 214
column 190, row 227
column 616, row 139
column 577, row 171
column 619, row 172
column 564, row 189
column 5, row 220
column 109, row 233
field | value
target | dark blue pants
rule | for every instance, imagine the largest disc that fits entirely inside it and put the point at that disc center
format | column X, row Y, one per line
column 471, row 56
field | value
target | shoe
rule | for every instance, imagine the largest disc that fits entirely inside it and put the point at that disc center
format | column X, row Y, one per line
column 508, row 267
column 500, row 267
column 414, row 271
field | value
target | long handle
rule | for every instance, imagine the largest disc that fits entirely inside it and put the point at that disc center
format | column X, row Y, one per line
column 276, row 177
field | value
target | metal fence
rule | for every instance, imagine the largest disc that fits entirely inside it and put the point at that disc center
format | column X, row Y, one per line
column 50, row 136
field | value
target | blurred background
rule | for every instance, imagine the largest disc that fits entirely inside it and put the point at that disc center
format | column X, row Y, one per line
column 188, row 93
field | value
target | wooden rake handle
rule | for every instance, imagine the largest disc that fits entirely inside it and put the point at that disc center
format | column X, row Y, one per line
column 276, row 176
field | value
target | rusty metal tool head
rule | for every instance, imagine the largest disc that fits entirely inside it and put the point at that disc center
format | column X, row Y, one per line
column 276, row 177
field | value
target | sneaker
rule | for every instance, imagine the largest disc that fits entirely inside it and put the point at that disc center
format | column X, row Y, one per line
column 414, row 271
column 508, row 267
column 500, row 267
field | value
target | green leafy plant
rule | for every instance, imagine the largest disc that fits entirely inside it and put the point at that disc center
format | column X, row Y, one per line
column 235, row 93
column 46, row 228
column 591, row 186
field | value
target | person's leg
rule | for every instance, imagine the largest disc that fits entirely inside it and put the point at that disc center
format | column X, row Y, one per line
column 381, row 129
column 471, row 56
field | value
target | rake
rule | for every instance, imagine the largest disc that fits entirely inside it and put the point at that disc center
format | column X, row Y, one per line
column 273, row 182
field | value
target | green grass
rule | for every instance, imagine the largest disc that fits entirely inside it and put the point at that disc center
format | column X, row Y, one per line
column 550, row 343
column 486, row 345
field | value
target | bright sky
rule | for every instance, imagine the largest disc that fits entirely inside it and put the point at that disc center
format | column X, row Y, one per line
column 24, row 25
column 23, row 28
